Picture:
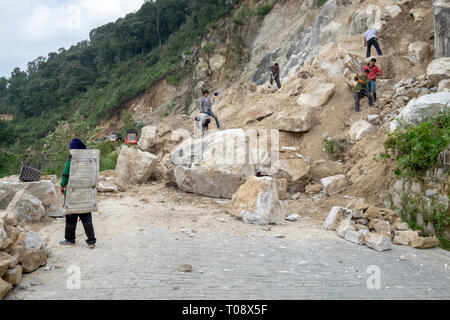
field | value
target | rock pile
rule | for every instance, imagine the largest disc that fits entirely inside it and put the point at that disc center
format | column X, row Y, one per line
column 375, row 227
column 21, row 251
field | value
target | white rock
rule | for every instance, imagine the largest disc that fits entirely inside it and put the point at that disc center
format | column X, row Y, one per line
column 359, row 129
column 293, row 217
column 393, row 10
column 25, row 207
column 43, row 190
column 354, row 236
column 257, row 202
column 444, row 85
column 378, row 241
column 334, row 185
column 147, row 138
column 418, row 51
column 423, row 108
column 438, row 70
column 135, row 166
column 317, row 94
column 202, row 166
column 295, row 120
column 335, row 217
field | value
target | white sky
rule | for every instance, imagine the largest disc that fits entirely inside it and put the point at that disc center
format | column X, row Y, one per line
column 32, row 28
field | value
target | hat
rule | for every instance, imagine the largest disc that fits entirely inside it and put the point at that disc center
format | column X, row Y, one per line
column 77, row 144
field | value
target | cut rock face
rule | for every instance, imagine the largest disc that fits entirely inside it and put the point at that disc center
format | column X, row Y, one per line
column 205, row 166
column 135, row 166
column 257, row 202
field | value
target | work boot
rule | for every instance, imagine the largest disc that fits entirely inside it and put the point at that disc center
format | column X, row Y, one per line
column 91, row 246
column 66, row 243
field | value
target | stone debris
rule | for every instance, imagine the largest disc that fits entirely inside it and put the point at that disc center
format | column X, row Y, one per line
column 375, row 227
column 21, row 251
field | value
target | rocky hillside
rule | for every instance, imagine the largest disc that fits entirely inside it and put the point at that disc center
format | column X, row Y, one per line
column 319, row 49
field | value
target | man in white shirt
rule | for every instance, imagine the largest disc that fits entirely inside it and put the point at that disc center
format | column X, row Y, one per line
column 370, row 39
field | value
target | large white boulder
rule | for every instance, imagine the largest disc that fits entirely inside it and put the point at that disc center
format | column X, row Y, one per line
column 444, row 85
column 378, row 241
column 109, row 182
column 393, row 10
column 418, row 51
column 422, row 109
column 135, row 166
column 438, row 69
column 213, row 166
column 25, row 207
column 359, row 129
column 257, row 202
column 43, row 190
column 295, row 120
column 317, row 94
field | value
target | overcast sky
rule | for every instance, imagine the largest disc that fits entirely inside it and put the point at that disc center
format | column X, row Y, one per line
column 32, row 28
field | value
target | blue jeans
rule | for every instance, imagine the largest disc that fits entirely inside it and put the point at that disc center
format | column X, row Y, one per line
column 212, row 114
column 371, row 87
column 373, row 42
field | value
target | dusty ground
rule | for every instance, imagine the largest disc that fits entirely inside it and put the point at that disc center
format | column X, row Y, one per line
column 146, row 233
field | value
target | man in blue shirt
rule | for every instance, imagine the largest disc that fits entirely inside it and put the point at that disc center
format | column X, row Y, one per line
column 370, row 39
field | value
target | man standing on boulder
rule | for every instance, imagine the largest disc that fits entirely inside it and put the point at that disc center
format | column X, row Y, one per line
column 72, row 219
column 206, row 106
column 374, row 72
column 361, row 89
column 275, row 75
column 370, row 39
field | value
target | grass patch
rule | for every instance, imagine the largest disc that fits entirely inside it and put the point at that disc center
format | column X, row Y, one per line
column 416, row 148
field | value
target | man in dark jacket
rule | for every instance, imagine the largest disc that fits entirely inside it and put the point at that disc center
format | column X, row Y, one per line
column 71, row 219
column 275, row 75
column 361, row 89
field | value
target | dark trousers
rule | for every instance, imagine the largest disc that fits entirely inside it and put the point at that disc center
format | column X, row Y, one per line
column 277, row 80
column 373, row 42
column 71, row 225
column 212, row 114
column 360, row 95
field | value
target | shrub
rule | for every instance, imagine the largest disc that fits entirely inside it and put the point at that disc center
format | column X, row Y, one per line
column 322, row 2
column 416, row 148
column 264, row 9
column 241, row 16
column 336, row 148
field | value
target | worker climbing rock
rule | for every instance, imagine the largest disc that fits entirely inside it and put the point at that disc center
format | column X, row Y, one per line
column 371, row 39
column 206, row 106
column 374, row 72
column 361, row 89
column 71, row 219
column 275, row 75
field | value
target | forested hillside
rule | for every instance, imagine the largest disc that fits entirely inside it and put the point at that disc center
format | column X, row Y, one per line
column 98, row 75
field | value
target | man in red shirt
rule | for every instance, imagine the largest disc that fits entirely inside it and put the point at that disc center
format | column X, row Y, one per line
column 374, row 72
